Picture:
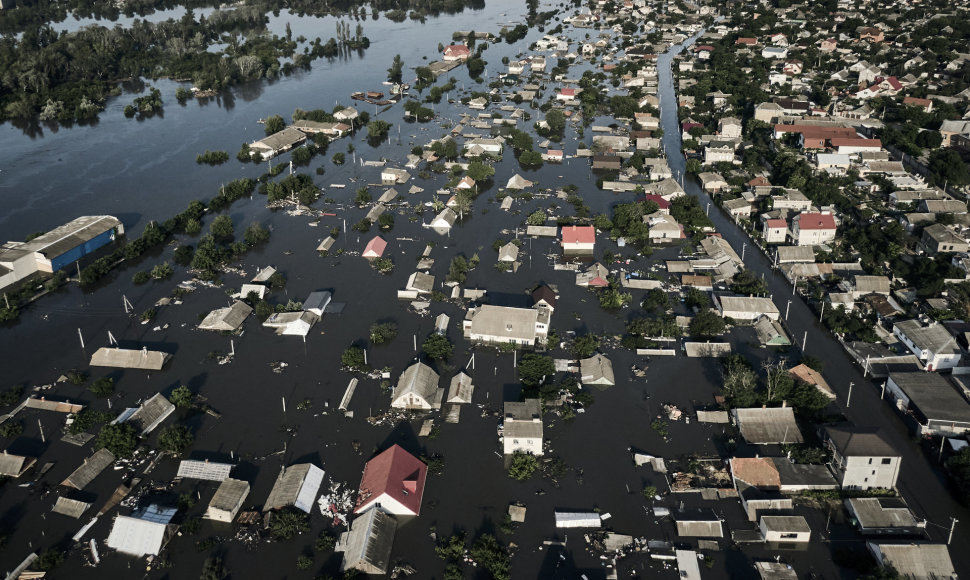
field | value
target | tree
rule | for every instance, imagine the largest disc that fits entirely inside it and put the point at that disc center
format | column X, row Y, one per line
column 437, row 347
column 221, row 228
column 706, row 324
column 287, row 523
column 378, row 129
column 207, row 255
column 362, row 196
column 182, row 396
column 119, row 438
column 556, row 121
column 458, row 269
column 929, row 139
column 530, row 159
column 480, row 171
column 584, row 346
column 522, row 466
column 274, row 124
column 697, row 298
column 947, row 166
column 748, row 282
column 739, row 381
column 212, row 569
column 612, row 298
column 256, row 234
column 353, row 358
column 487, row 552
column 384, row 332
column 656, row 299
column 193, row 227
column 175, row 439
column 103, row 387
column 959, row 465
column 536, row 218
column 397, row 66
column 693, row 166
column 534, row 368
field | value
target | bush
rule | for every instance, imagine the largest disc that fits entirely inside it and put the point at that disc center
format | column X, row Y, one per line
column 141, row 277
column 522, row 466
column 353, row 358
column 175, row 439
column 119, row 438
column 706, row 325
column 103, row 387
column 162, row 271
column 384, row 332
column 10, row 429
column 256, row 235
column 304, row 562
column 287, row 523
column 437, row 347
column 182, row 396
column 325, row 542
column 212, row 157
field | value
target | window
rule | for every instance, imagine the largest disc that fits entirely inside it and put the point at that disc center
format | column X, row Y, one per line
column 789, row 536
column 887, row 460
column 870, row 461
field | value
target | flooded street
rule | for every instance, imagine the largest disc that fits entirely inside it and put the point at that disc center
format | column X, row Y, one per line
column 145, row 170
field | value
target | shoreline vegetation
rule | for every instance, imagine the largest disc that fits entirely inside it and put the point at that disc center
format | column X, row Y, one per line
column 68, row 76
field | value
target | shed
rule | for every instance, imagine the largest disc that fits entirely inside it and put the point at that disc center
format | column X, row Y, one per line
column 785, row 529
column 420, row 282
column 228, row 500
column 90, row 469
column 707, row 349
column 916, row 561
column 291, row 323
column 15, row 465
column 151, row 413
column 144, row 359
column 296, row 486
column 578, row 519
column 144, row 533
column 699, row 524
column 746, row 308
column 70, row 507
column 461, row 389
column 883, row 516
column 445, row 220
column 518, row 182
column 770, row 332
column 206, row 470
column 687, row 566
column 326, row 244
column 762, row 426
column 775, row 571
column 226, row 319
column 596, row 370
column 794, row 255
column 441, row 323
column 366, row 546
column 317, row 302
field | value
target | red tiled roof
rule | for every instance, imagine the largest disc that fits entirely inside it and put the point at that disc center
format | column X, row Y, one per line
column 396, row 473
column 567, row 92
column 816, row 221
column 756, row 471
column 578, row 235
column 457, row 50
column 376, row 246
column 658, row 199
column 759, row 181
column 776, row 223
column 748, row 41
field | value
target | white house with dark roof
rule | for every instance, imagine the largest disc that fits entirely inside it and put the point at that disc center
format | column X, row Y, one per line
column 935, row 347
column 861, row 458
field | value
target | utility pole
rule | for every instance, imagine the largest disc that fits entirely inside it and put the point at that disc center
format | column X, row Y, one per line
column 848, row 400
column 81, row 336
column 794, row 285
column 787, row 307
column 744, row 247
column 953, row 524
column 822, row 312
column 804, row 341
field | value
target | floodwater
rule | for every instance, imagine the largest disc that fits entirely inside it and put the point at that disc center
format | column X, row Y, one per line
column 143, row 170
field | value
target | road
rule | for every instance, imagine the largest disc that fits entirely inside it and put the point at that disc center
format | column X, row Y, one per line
column 921, row 481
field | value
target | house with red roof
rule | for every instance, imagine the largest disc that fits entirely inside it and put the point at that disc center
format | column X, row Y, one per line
column 578, row 238
column 566, row 94
column 703, row 52
column 775, row 231
column 454, row 52
column 746, row 41
column 812, row 229
column 662, row 204
column 828, row 45
column 394, row 482
column 374, row 248
column 925, row 104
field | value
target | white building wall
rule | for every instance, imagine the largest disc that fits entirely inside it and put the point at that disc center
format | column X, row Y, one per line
column 870, row 472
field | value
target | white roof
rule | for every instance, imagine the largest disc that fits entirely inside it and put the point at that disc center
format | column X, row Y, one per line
column 137, row 537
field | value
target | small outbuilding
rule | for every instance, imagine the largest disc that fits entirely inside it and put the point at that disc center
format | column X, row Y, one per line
column 417, row 389
column 228, row 500
column 227, row 319
column 785, row 529
column 367, row 545
column 596, row 370
column 296, row 486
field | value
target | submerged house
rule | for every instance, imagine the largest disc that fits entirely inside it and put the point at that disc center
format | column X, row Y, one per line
column 506, row 325
column 366, row 546
column 417, row 389
column 393, row 482
column 296, row 486
column 227, row 319
column 143, row 533
column 522, row 427
column 227, row 501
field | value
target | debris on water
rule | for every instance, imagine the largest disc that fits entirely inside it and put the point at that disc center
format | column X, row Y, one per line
column 278, row 366
column 337, row 502
column 673, row 413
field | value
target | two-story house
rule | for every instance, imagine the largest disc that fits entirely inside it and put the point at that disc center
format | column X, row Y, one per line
column 861, row 458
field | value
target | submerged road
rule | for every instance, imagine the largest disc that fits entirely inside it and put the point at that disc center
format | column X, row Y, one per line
column 922, row 482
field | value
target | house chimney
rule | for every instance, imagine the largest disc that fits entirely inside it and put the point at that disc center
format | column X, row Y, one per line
column 784, row 404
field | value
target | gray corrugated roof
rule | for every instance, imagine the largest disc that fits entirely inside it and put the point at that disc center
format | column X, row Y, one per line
column 90, row 469
column 876, row 512
column 149, row 360
column 596, row 370
column 70, row 235
column 207, row 470
column 14, row 465
column 917, row 560
column 151, row 413
column 933, row 395
column 860, row 441
column 226, row 319
column 367, row 546
column 419, row 379
column 768, row 425
column 230, row 493
column 70, row 507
